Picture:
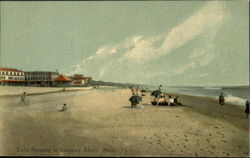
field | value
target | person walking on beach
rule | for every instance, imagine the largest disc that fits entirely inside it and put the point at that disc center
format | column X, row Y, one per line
column 221, row 99
column 247, row 109
column 23, row 96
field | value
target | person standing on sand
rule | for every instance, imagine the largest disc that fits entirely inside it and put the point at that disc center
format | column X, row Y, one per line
column 160, row 88
column 23, row 96
column 221, row 99
column 247, row 109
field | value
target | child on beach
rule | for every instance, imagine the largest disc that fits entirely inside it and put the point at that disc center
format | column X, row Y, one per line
column 247, row 109
column 23, row 97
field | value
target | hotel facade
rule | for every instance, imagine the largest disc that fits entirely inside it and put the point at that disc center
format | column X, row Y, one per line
column 9, row 76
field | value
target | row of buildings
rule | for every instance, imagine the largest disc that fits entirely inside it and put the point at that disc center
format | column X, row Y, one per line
column 10, row 76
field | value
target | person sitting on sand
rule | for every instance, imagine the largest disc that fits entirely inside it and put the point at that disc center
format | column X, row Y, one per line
column 171, row 100
column 64, row 108
column 23, row 96
column 221, row 99
column 247, row 109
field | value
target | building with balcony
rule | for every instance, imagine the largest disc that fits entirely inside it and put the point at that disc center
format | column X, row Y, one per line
column 42, row 78
column 10, row 76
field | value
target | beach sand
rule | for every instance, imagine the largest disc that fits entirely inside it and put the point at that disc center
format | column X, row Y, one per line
column 101, row 123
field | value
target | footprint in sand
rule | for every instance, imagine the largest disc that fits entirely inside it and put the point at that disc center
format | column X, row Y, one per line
column 156, row 135
column 177, row 144
column 166, row 134
column 208, row 140
column 185, row 146
column 216, row 127
column 211, row 152
column 213, row 146
column 145, row 137
column 186, row 140
column 210, row 134
column 185, row 135
column 150, row 143
column 197, row 140
column 171, row 141
column 202, row 150
column 239, row 146
column 226, row 153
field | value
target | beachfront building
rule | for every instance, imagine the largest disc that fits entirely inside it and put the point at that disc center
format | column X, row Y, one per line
column 62, row 80
column 42, row 78
column 80, row 80
column 87, row 80
column 10, row 76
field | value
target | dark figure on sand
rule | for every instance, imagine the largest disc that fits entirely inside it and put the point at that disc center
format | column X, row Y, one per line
column 247, row 109
column 135, row 99
column 64, row 108
column 221, row 99
column 23, row 96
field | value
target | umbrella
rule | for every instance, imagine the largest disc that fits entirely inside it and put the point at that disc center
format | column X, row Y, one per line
column 135, row 99
column 156, row 93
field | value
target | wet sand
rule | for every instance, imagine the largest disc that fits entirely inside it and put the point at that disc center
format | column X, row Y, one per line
column 101, row 123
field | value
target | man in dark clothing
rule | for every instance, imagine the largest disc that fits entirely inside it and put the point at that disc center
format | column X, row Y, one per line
column 247, row 109
column 221, row 99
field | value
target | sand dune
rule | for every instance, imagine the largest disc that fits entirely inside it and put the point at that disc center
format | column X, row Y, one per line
column 101, row 123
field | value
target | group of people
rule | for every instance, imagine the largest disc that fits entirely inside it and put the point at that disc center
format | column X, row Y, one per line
column 160, row 98
column 222, row 102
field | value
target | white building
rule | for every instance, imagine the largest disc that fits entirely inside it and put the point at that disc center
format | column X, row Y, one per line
column 9, row 76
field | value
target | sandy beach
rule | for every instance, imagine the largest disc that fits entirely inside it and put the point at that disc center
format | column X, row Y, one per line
column 100, row 122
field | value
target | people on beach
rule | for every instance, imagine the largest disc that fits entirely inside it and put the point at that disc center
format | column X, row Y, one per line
column 64, row 108
column 171, row 100
column 221, row 99
column 160, row 88
column 247, row 109
column 23, row 96
column 135, row 99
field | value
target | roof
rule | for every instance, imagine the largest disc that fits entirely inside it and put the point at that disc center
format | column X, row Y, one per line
column 62, row 78
column 10, row 69
column 78, row 76
column 41, row 72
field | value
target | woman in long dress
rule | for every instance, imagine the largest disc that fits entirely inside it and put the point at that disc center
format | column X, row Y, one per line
column 247, row 109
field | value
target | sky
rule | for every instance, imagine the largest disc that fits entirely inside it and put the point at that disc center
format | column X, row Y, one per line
column 191, row 43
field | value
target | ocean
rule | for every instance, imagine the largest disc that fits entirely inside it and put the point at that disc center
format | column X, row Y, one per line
column 235, row 94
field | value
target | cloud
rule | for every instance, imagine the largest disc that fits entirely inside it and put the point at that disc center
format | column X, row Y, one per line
column 132, row 58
